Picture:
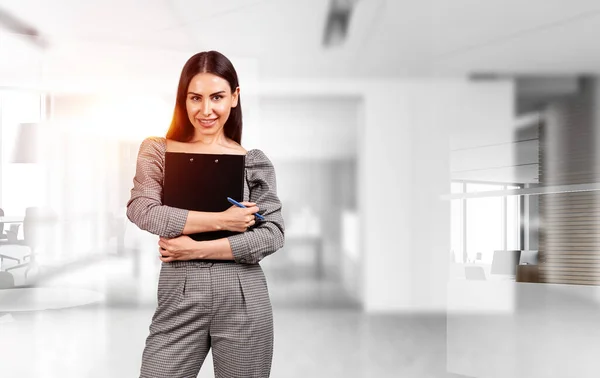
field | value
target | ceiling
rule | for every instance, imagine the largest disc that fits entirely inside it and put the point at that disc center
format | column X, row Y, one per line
column 387, row 38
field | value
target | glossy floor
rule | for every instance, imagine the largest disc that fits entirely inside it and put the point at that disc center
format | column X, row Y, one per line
column 319, row 332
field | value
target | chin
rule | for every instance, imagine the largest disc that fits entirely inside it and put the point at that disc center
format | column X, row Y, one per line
column 207, row 131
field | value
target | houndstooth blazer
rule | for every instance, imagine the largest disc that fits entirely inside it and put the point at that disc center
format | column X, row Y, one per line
column 145, row 208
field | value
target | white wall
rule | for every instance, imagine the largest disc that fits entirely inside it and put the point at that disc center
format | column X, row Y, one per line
column 312, row 142
column 512, row 162
column 490, row 144
column 405, row 153
column 406, row 130
column 315, row 127
column 480, row 114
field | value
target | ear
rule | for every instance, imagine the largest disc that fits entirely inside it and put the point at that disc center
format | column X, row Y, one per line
column 235, row 96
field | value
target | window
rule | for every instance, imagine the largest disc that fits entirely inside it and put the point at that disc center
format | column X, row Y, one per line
column 22, row 184
column 479, row 226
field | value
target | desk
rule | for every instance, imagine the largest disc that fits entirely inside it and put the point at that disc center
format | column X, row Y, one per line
column 316, row 242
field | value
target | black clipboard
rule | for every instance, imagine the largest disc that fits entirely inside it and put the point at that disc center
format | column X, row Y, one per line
column 202, row 182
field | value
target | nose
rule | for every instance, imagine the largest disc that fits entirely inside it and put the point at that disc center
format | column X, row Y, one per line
column 206, row 107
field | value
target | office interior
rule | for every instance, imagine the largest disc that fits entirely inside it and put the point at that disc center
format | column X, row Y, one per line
column 436, row 163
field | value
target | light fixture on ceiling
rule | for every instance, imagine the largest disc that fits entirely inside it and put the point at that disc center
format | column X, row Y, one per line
column 18, row 27
column 337, row 22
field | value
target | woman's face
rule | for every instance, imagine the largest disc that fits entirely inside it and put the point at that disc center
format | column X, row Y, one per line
column 209, row 101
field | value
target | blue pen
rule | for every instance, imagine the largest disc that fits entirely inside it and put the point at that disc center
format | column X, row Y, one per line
column 236, row 203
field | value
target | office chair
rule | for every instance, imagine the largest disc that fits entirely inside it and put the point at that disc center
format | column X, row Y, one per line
column 30, row 240
column 10, row 253
column 35, row 218
column 475, row 273
column 31, row 236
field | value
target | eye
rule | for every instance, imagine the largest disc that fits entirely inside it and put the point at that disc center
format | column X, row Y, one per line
column 217, row 97
column 195, row 98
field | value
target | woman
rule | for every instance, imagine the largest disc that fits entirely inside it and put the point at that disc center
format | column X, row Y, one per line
column 204, row 303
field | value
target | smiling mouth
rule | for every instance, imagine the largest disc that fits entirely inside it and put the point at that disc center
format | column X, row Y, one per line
column 207, row 122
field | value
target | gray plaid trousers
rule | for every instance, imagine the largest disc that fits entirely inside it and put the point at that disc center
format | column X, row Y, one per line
column 203, row 305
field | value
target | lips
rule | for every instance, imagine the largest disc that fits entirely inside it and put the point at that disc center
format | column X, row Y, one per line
column 207, row 122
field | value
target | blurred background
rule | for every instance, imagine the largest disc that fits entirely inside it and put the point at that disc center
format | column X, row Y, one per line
column 436, row 162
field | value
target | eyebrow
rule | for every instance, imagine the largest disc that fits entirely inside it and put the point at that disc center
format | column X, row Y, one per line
column 198, row 94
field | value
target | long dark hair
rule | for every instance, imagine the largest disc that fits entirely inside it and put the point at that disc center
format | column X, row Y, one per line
column 215, row 63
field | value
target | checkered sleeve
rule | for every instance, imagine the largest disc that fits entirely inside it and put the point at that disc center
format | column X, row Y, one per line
column 266, row 236
column 145, row 208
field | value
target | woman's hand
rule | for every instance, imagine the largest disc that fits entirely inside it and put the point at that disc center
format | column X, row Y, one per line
column 180, row 248
column 238, row 219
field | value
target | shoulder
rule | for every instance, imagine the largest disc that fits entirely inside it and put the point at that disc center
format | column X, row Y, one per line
column 257, row 160
column 154, row 142
column 153, row 146
column 260, row 169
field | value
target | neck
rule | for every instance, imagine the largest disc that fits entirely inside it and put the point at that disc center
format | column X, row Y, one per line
column 209, row 139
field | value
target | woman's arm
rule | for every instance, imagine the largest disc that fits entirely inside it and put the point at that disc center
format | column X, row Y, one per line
column 248, row 247
column 215, row 249
column 186, row 248
column 267, row 236
column 145, row 208
column 199, row 221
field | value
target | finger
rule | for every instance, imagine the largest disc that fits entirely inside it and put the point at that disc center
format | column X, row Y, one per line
column 167, row 255
column 252, row 210
column 166, row 259
column 248, row 225
column 249, row 204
